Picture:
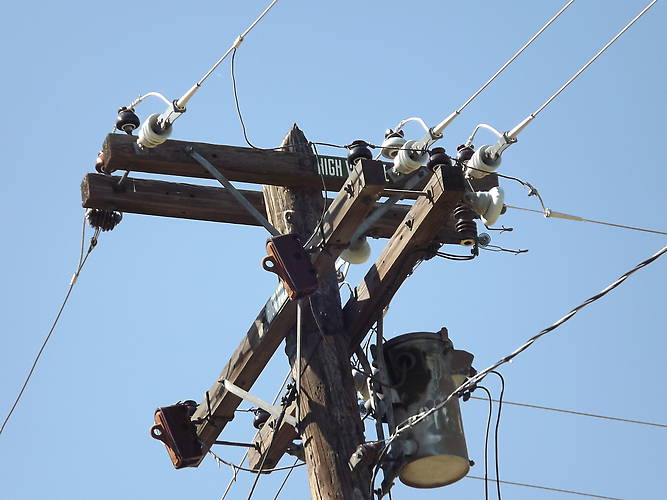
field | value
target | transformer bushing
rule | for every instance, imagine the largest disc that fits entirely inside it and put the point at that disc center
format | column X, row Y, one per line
column 425, row 368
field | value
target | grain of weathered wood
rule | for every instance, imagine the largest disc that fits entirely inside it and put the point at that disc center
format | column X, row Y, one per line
column 286, row 168
column 330, row 425
column 420, row 230
column 271, row 325
column 206, row 203
column 279, row 167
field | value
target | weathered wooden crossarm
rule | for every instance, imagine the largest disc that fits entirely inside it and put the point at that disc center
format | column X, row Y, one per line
column 415, row 237
column 278, row 317
column 281, row 168
column 419, row 230
column 278, row 168
column 190, row 201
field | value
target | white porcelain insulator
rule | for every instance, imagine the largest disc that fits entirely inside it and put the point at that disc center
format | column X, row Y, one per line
column 391, row 147
column 148, row 137
column 407, row 161
column 481, row 165
column 488, row 204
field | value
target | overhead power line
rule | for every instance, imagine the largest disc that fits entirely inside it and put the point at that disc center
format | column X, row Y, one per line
column 82, row 261
column 579, row 413
column 592, row 59
column 547, row 212
column 547, row 488
column 517, row 54
column 512, row 134
column 470, row 383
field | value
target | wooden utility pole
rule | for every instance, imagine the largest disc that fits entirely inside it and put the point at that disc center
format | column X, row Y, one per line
column 330, row 425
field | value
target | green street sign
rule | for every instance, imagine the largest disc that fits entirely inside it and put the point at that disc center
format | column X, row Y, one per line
column 336, row 166
column 333, row 166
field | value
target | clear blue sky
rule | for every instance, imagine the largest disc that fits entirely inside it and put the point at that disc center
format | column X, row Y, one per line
column 163, row 302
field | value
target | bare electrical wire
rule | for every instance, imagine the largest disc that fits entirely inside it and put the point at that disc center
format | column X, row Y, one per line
column 82, row 261
column 177, row 108
column 578, row 413
column 517, row 54
column 547, row 488
column 592, row 59
column 510, row 137
column 548, row 213
column 469, row 383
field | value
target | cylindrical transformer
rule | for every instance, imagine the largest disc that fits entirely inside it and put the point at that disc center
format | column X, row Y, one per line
column 424, row 368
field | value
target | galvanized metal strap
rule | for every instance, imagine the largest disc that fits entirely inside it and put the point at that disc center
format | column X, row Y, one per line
column 234, row 192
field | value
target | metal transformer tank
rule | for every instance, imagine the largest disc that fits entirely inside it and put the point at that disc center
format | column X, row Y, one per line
column 424, row 369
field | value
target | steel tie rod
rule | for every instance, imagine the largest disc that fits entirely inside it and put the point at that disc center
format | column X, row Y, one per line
column 257, row 215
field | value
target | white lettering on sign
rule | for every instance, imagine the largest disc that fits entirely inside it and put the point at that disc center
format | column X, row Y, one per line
column 332, row 166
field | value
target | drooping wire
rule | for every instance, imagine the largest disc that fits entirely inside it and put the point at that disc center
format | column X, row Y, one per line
column 451, row 256
column 232, row 481
column 246, row 469
column 238, row 107
column 532, row 190
column 470, row 382
column 578, row 413
column 500, row 409
column 236, row 43
column 486, row 441
column 82, row 261
column 547, row 488
column 177, row 108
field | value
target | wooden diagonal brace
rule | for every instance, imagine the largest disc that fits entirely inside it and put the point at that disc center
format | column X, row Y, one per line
column 277, row 317
column 409, row 244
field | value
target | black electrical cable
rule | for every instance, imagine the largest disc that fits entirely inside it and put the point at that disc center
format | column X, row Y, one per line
column 246, row 469
column 451, row 256
column 238, row 108
column 500, row 409
column 486, row 442
column 415, row 419
column 289, row 473
column 279, row 422
column 82, row 261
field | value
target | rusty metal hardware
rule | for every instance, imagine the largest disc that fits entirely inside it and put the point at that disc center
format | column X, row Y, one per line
column 175, row 429
column 288, row 259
